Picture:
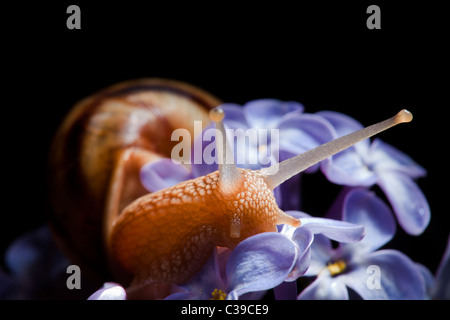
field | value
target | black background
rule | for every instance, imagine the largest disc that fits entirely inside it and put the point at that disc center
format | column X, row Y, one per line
column 322, row 56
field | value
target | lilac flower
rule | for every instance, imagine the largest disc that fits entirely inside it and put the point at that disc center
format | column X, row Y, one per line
column 383, row 274
column 367, row 164
column 266, row 260
column 298, row 132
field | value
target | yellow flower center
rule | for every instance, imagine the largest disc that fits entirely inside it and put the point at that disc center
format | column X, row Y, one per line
column 218, row 294
column 336, row 267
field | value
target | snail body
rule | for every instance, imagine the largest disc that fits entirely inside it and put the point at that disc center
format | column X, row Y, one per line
column 187, row 221
column 166, row 236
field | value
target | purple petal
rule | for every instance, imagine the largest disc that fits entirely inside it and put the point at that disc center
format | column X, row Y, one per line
column 260, row 262
column 347, row 168
column 235, row 116
column 109, row 291
column 303, row 238
column 383, row 156
column 163, row 174
column 267, row 113
column 252, row 147
column 363, row 207
column 336, row 230
column 199, row 170
column 325, row 288
column 301, row 132
column 278, row 194
column 304, row 132
column 343, row 125
column 386, row 274
column 202, row 162
column 409, row 203
column 288, row 193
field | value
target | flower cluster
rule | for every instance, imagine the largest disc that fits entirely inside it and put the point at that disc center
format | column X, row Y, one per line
column 337, row 255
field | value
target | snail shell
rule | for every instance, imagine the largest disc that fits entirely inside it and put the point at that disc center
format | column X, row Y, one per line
column 97, row 153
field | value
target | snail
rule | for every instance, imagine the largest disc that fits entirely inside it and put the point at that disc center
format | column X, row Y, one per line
column 166, row 236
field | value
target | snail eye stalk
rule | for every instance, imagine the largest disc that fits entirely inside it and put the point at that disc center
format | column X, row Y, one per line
column 229, row 175
column 278, row 173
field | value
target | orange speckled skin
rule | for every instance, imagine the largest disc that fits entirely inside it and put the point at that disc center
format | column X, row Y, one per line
column 169, row 234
